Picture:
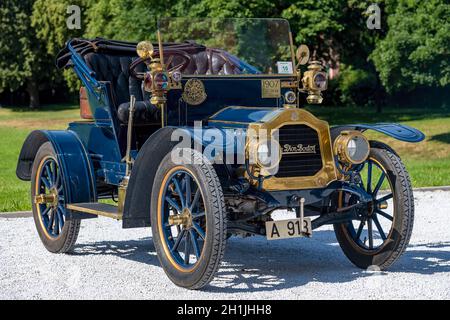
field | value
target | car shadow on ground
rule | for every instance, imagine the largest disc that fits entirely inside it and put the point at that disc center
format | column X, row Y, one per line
column 443, row 137
column 255, row 264
column 136, row 250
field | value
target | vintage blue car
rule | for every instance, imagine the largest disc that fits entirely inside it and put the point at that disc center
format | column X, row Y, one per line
column 202, row 135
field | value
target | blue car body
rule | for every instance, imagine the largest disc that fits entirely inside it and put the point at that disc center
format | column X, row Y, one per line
column 91, row 152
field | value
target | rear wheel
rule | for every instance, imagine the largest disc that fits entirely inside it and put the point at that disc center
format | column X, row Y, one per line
column 383, row 232
column 188, row 220
column 48, row 200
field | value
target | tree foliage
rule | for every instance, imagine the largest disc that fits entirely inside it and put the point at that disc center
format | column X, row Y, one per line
column 409, row 51
column 130, row 20
column 24, row 60
column 49, row 20
column 415, row 51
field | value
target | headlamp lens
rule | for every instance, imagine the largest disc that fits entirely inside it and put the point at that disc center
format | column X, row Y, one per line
column 357, row 149
column 320, row 81
column 268, row 153
column 263, row 154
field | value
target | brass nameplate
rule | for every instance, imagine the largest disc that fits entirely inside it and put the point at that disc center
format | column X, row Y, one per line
column 270, row 88
column 289, row 84
column 194, row 92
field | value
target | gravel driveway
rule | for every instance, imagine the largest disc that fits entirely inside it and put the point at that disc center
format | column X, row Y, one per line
column 112, row 263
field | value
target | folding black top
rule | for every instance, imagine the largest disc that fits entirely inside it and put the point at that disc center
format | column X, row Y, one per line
column 113, row 47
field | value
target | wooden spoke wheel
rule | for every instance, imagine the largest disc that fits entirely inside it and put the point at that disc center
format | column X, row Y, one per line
column 188, row 221
column 48, row 198
column 384, row 230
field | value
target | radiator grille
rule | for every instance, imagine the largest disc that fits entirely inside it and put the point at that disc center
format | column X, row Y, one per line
column 301, row 151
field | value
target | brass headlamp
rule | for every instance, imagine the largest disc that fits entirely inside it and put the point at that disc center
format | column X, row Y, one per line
column 351, row 147
column 314, row 82
column 264, row 155
column 156, row 80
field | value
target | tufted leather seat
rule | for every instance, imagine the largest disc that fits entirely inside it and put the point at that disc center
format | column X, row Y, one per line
column 114, row 68
column 211, row 61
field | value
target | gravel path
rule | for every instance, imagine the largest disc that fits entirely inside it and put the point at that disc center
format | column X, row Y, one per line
column 112, row 263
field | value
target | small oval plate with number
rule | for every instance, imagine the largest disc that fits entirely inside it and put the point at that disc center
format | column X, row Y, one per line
column 290, row 228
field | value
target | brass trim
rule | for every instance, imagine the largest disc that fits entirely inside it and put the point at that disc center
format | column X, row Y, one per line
column 252, row 147
column 159, row 220
column 291, row 42
column 144, row 49
column 51, row 199
column 36, row 191
column 341, row 150
column 321, row 179
column 75, row 207
column 122, row 193
column 383, row 205
column 250, row 76
column 194, row 92
column 289, row 84
column 270, row 88
column 184, row 219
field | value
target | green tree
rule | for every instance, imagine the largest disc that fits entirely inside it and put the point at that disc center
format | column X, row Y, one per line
column 229, row 8
column 129, row 20
column 49, row 20
column 23, row 61
column 335, row 30
column 415, row 51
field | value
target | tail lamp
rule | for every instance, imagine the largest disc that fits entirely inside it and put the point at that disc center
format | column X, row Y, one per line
column 85, row 107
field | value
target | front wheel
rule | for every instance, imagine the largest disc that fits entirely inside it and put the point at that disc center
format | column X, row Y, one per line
column 383, row 232
column 188, row 220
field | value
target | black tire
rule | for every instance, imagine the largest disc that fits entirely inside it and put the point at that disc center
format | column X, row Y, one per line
column 395, row 243
column 214, row 240
column 65, row 240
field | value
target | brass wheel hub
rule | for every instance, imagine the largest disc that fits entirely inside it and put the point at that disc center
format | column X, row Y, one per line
column 383, row 205
column 50, row 198
column 184, row 219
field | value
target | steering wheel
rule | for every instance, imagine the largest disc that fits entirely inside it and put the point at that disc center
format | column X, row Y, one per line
column 169, row 56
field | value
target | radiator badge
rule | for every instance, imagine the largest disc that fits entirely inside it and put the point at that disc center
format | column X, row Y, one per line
column 299, row 148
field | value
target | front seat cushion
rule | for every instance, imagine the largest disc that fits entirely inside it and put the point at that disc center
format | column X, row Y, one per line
column 144, row 113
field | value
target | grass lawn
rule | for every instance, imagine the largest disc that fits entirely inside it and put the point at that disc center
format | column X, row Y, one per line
column 15, row 125
column 428, row 162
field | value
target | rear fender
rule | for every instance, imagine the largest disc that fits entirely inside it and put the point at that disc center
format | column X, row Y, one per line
column 72, row 158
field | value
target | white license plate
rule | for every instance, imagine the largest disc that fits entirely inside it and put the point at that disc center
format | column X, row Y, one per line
column 290, row 228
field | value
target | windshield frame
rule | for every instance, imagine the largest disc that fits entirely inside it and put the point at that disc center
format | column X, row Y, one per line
column 291, row 59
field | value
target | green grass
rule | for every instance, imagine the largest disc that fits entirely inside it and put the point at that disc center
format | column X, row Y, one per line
column 428, row 162
column 15, row 125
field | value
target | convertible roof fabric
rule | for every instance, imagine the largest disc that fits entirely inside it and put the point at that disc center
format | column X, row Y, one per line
column 100, row 45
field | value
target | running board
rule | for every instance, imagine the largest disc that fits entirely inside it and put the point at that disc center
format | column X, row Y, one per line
column 96, row 208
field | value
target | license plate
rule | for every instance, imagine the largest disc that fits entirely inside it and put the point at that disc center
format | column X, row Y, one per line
column 290, row 228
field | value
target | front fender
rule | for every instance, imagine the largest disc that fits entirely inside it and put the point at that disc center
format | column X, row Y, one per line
column 72, row 158
column 137, row 199
column 158, row 145
column 217, row 139
column 395, row 130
